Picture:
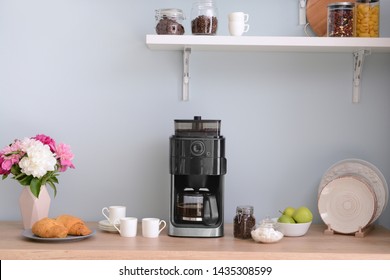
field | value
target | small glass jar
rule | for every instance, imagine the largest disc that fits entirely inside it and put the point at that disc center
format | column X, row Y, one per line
column 266, row 232
column 367, row 18
column 341, row 19
column 244, row 221
column 169, row 22
column 204, row 18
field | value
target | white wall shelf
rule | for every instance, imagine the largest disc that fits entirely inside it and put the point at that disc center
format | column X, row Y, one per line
column 359, row 47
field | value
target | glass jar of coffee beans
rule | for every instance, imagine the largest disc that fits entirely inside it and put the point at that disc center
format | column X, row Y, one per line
column 204, row 17
column 244, row 221
column 341, row 19
column 169, row 22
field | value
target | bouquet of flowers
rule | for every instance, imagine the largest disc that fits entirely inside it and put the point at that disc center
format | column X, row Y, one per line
column 35, row 161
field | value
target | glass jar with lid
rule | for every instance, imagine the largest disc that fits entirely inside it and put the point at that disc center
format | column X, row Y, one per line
column 169, row 22
column 341, row 19
column 266, row 232
column 244, row 221
column 367, row 18
column 204, row 17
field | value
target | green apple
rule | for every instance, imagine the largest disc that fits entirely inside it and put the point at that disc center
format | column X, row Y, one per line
column 302, row 215
column 289, row 211
column 286, row 219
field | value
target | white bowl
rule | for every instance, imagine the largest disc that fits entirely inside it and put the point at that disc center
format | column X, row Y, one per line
column 297, row 229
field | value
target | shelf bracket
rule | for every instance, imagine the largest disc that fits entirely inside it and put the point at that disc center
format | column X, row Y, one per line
column 358, row 58
column 186, row 74
column 302, row 12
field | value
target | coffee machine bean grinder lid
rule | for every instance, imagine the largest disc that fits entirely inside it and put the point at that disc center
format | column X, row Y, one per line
column 197, row 128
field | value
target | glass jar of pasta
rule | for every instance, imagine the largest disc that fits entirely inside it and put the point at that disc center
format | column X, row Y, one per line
column 367, row 18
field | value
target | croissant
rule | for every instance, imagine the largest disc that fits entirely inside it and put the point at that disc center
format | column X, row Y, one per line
column 74, row 225
column 49, row 228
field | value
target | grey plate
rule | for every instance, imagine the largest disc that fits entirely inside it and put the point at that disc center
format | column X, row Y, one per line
column 28, row 234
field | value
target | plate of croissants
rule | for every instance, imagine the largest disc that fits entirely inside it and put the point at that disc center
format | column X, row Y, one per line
column 63, row 228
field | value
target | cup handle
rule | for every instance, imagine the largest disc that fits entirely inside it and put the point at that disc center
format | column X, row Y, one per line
column 104, row 214
column 246, row 28
column 162, row 222
column 246, row 17
column 116, row 222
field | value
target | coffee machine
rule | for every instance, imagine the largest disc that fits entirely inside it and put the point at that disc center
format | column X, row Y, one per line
column 197, row 168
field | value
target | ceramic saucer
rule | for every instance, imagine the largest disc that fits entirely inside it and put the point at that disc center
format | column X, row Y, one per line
column 106, row 226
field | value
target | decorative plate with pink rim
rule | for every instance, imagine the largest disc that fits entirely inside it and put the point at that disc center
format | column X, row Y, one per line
column 347, row 204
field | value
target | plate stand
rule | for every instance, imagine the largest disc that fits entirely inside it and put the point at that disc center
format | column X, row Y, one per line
column 362, row 232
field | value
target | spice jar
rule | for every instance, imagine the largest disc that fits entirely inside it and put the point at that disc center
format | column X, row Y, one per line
column 341, row 21
column 244, row 221
column 367, row 18
column 169, row 22
column 204, row 18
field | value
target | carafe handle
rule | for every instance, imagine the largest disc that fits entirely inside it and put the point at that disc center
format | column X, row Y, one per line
column 210, row 210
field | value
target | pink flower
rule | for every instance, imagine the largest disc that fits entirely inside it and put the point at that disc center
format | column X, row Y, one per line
column 4, row 165
column 65, row 156
column 9, row 156
column 46, row 140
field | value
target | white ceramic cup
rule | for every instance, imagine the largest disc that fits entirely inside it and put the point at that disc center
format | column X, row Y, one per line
column 238, row 16
column 114, row 213
column 237, row 28
column 151, row 227
column 128, row 226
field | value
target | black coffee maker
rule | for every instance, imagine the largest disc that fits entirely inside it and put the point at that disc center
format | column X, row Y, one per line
column 197, row 166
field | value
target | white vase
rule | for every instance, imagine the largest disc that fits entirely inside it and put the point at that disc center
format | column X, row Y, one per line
column 33, row 209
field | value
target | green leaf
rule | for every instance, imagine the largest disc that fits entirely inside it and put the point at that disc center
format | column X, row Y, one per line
column 35, row 186
column 15, row 169
column 5, row 176
column 51, row 184
column 54, row 179
column 44, row 179
column 20, row 176
column 25, row 181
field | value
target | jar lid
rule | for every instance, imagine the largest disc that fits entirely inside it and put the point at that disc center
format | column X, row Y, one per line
column 268, row 222
column 207, row 3
column 341, row 5
column 170, row 13
column 245, row 209
column 204, row 1
column 367, row 1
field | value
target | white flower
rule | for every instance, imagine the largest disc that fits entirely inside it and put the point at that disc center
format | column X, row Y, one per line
column 27, row 143
column 39, row 159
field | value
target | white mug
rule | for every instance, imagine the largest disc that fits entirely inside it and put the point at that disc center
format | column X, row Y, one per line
column 237, row 28
column 114, row 213
column 238, row 16
column 128, row 226
column 151, row 227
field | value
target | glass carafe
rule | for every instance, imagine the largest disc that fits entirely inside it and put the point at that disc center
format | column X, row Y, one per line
column 197, row 207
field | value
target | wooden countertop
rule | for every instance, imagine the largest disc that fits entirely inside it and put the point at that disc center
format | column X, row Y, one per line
column 106, row 245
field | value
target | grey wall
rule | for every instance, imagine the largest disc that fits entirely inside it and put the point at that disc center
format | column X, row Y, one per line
column 79, row 71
